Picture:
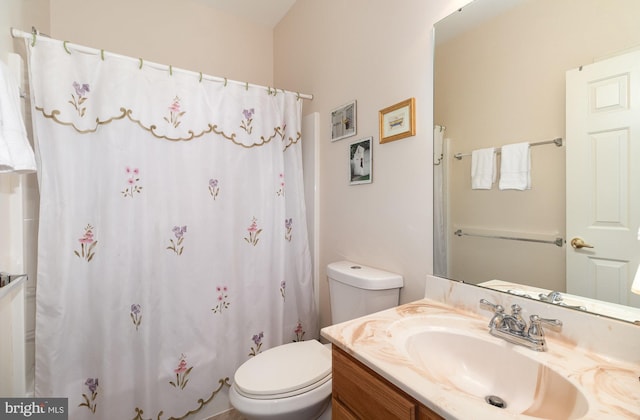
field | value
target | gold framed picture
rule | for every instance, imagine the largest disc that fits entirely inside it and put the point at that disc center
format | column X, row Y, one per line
column 398, row 121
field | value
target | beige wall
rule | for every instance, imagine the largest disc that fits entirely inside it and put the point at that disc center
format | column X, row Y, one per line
column 504, row 83
column 378, row 53
column 187, row 34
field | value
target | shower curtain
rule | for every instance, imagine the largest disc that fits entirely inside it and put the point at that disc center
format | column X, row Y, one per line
column 172, row 238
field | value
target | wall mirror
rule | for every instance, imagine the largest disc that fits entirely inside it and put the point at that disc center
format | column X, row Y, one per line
column 513, row 71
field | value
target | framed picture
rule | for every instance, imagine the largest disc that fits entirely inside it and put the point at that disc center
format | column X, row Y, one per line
column 398, row 121
column 343, row 121
column 360, row 161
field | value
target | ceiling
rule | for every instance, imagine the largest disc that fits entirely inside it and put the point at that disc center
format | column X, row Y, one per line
column 471, row 15
column 265, row 12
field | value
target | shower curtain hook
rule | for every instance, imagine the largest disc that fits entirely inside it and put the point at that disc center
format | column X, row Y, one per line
column 200, row 77
column 298, row 96
column 64, row 44
column 170, row 70
column 140, row 66
column 102, row 54
column 225, row 82
column 246, row 85
column 33, row 43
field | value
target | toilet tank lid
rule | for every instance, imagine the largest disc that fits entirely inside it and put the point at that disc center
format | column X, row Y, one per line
column 363, row 277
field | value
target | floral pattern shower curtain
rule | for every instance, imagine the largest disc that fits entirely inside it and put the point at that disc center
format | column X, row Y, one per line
column 172, row 239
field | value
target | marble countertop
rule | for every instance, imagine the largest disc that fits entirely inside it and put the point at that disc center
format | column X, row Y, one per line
column 611, row 386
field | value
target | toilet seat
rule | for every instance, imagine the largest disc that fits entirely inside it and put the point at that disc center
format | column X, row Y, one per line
column 284, row 371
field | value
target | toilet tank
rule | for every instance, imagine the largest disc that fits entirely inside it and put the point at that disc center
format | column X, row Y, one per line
column 356, row 290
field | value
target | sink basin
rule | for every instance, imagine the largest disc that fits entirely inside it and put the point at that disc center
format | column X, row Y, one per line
column 486, row 368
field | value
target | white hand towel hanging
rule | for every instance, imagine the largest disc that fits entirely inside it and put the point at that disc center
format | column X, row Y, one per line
column 515, row 167
column 16, row 154
column 483, row 168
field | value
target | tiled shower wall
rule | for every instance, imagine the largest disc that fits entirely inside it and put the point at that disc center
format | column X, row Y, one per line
column 19, row 203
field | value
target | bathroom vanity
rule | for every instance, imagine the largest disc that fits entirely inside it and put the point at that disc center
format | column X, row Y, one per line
column 382, row 399
column 435, row 358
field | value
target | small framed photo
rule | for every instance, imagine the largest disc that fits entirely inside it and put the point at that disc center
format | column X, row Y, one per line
column 343, row 121
column 398, row 121
column 360, row 161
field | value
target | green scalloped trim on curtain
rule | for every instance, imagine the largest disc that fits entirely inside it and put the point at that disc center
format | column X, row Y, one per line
column 212, row 128
column 201, row 402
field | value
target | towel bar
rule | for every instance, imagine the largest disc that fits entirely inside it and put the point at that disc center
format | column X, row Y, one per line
column 557, row 242
column 557, row 142
column 6, row 278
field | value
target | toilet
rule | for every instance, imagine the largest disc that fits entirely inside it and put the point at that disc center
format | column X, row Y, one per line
column 293, row 381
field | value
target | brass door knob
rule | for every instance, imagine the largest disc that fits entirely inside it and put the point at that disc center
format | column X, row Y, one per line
column 578, row 243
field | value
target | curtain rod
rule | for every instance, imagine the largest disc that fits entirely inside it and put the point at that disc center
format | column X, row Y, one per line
column 16, row 33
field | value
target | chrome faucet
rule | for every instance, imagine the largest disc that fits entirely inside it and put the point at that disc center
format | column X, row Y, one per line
column 513, row 328
column 556, row 298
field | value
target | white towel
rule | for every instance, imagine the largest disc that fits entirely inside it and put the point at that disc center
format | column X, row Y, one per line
column 483, row 168
column 16, row 154
column 515, row 167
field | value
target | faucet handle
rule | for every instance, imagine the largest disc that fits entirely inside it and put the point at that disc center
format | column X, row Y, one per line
column 493, row 306
column 535, row 329
column 553, row 297
column 498, row 314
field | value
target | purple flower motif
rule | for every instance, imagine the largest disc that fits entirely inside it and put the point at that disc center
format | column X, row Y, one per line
column 288, row 224
column 248, row 113
column 81, row 89
column 248, row 119
column 179, row 234
column 214, row 189
column 257, row 340
column 89, row 402
column 92, row 383
column 283, row 287
column 179, row 231
column 136, row 316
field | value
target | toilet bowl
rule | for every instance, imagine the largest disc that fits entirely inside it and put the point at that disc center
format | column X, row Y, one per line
column 293, row 381
column 287, row 382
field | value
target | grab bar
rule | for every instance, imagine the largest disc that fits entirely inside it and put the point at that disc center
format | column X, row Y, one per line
column 557, row 242
column 557, row 142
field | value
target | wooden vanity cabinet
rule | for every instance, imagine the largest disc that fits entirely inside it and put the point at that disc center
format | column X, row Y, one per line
column 359, row 393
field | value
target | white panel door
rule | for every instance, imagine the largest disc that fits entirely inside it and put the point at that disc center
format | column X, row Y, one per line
column 603, row 178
